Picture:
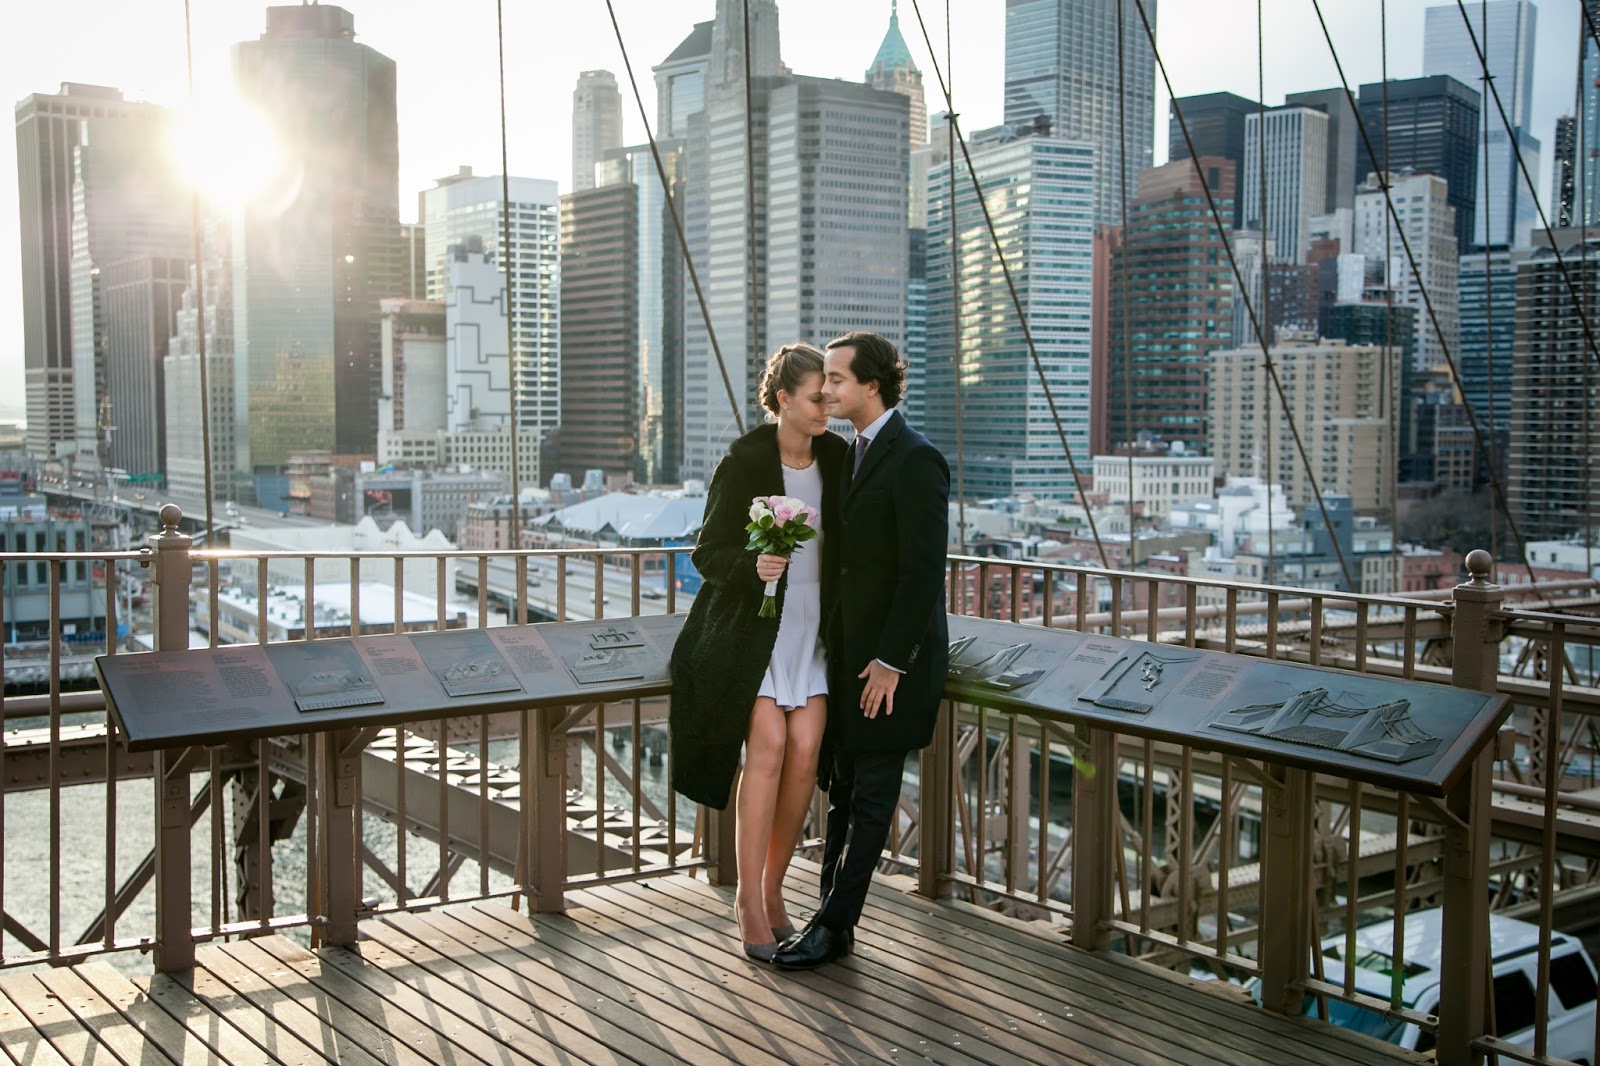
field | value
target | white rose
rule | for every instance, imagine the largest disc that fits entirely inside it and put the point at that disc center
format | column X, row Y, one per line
column 758, row 511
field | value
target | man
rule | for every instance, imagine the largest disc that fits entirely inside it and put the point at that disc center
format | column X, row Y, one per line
column 887, row 640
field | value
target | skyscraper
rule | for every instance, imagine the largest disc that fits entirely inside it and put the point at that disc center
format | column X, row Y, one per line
column 1343, row 132
column 313, row 257
column 1216, row 125
column 1552, row 473
column 1062, row 71
column 464, row 207
column 1588, row 133
column 681, row 82
column 184, row 400
column 1296, row 173
column 1505, row 214
column 599, row 332
column 1171, row 304
column 59, row 140
column 1423, row 201
column 893, row 70
column 1563, row 210
column 1008, row 441
column 142, row 296
column 596, row 124
column 1431, row 127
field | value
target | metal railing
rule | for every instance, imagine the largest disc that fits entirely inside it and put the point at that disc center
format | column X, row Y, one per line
column 1171, row 854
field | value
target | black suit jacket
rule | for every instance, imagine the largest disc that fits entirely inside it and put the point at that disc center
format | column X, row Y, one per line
column 889, row 548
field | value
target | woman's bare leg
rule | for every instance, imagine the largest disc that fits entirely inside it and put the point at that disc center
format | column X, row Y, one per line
column 765, row 744
column 795, row 789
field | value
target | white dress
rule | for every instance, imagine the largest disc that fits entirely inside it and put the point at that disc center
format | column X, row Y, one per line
column 798, row 669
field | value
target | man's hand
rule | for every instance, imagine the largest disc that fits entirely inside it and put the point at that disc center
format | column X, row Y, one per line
column 771, row 567
column 879, row 689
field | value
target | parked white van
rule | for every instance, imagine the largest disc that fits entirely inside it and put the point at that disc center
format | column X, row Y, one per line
column 1514, row 949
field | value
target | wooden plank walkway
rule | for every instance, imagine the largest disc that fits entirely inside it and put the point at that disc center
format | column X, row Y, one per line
column 651, row 973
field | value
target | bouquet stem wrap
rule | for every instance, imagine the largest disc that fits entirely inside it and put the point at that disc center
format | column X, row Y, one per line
column 778, row 525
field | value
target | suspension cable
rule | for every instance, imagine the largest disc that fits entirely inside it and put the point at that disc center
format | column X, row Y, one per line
column 1488, row 303
column 1522, row 166
column 1011, row 287
column 1249, row 305
column 1394, row 369
column 1267, row 424
column 199, row 294
column 1122, row 252
column 511, row 303
column 1422, row 290
column 752, row 272
column 955, row 293
column 677, row 220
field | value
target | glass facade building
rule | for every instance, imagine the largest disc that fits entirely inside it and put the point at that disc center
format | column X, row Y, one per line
column 1062, row 79
column 315, row 254
column 1041, row 192
column 1431, row 125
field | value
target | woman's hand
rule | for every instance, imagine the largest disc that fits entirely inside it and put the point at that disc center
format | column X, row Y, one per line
column 770, row 567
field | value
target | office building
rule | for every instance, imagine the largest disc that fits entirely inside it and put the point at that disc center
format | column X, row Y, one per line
column 1423, row 201
column 1215, row 123
column 465, row 208
column 1344, row 131
column 1505, row 214
column 414, row 377
column 600, row 387
column 1160, row 482
column 1563, row 193
column 1062, row 78
column 1587, row 136
column 1488, row 302
column 1296, row 161
column 207, row 300
column 141, row 297
column 596, row 124
column 1171, row 305
column 915, row 349
column 95, row 184
column 1008, row 442
column 1429, row 125
column 477, row 367
column 893, row 70
column 313, row 256
column 1338, row 395
column 681, row 83
column 1552, row 473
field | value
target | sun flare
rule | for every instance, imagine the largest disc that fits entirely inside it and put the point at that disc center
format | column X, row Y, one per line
column 228, row 151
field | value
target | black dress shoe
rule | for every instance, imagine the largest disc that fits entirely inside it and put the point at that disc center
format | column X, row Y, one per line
column 814, row 947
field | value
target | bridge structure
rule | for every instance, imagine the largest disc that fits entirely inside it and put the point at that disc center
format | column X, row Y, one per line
column 989, row 816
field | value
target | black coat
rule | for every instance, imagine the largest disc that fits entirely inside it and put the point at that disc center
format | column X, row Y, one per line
column 723, row 649
column 890, row 550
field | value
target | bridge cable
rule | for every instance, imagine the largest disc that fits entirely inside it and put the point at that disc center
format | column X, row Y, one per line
column 955, row 295
column 1122, row 251
column 1249, row 306
column 1422, row 290
column 1266, row 339
column 677, row 220
column 199, row 296
column 1011, row 287
column 511, row 302
column 757, row 344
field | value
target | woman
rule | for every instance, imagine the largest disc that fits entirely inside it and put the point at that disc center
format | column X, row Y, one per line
column 739, row 678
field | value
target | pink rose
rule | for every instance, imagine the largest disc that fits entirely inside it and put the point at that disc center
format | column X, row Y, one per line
column 782, row 512
column 811, row 516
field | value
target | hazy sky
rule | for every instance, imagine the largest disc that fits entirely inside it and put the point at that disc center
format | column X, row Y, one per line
column 448, row 99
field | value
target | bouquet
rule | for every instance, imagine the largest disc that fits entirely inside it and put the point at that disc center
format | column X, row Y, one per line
column 778, row 525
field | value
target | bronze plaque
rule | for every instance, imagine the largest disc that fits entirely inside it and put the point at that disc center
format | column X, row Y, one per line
column 1411, row 735
column 212, row 695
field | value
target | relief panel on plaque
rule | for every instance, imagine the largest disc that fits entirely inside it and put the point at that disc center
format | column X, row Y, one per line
column 1383, row 731
column 1005, row 668
column 466, row 662
column 1137, row 681
column 608, row 655
column 324, row 675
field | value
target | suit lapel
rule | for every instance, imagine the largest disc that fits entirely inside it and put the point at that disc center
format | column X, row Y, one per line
column 877, row 452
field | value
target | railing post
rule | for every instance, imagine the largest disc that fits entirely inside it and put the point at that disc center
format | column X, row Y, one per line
column 338, row 865
column 722, row 841
column 547, row 777
column 1475, row 634
column 936, row 808
column 1285, row 872
column 174, row 949
column 1095, row 831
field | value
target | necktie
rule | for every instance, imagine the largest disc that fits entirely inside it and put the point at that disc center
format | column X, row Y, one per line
column 861, row 452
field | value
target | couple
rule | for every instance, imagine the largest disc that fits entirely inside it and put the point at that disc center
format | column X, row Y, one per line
column 854, row 663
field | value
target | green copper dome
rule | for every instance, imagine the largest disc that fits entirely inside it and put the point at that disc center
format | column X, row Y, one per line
column 893, row 53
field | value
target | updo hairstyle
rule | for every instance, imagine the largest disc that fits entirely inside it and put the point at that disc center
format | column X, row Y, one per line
column 786, row 369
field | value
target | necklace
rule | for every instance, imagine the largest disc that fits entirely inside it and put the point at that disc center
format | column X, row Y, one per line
column 802, row 466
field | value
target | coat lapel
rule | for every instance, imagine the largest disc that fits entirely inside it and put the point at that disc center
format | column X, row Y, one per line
column 877, row 452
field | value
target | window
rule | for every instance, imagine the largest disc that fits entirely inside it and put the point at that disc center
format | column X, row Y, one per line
column 1570, row 978
column 1513, row 1003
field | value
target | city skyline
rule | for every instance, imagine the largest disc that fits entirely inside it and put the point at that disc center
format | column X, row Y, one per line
column 438, row 134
